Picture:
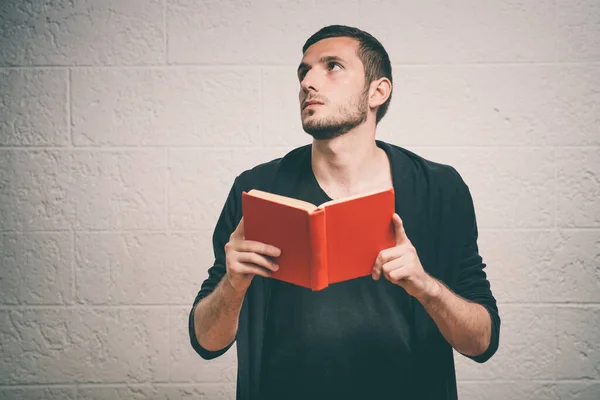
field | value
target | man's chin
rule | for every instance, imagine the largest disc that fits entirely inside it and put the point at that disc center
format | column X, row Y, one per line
column 323, row 132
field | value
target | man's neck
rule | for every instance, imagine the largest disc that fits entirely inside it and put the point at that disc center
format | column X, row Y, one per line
column 350, row 164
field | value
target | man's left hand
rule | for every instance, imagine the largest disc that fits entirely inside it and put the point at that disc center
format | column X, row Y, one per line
column 401, row 265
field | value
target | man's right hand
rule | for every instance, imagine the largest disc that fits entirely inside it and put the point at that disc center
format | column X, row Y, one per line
column 246, row 258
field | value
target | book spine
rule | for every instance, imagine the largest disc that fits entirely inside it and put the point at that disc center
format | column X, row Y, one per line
column 319, row 275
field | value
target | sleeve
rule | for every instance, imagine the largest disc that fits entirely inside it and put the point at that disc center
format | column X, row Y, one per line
column 226, row 224
column 471, row 281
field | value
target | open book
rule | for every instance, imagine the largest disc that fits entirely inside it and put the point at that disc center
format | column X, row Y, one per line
column 320, row 245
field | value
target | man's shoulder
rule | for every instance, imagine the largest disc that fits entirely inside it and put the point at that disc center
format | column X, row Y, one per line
column 263, row 174
column 424, row 169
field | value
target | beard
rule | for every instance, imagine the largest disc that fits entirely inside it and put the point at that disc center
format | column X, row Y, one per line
column 350, row 116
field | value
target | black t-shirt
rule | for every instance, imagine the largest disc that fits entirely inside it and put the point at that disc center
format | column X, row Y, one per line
column 351, row 340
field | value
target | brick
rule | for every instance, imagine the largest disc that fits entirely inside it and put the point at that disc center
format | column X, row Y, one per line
column 119, row 190
column 542, row 266
column 461, row 31
column 34, row 108
column 216, row 391
column 507, row 391
column 200, row 180
column 35, row 190
column 578, row 390
column 494, row 105
column 38, row 393
column 577, row 110
column 176, row 106
column 527, row 348
column 511, row 187
column 480, row 105
column 111, row 32
column 578, row 188
column 578, row 30
column 250, row 33
column 46, row 190
column 187, row 365
column 578, row 350
column 83, row 345
column 36, row 268
column 141, row 268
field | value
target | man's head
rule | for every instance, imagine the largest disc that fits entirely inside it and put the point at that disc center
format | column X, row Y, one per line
column 344, row 73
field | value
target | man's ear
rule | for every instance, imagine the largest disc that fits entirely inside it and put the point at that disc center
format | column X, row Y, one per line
column 379, row 92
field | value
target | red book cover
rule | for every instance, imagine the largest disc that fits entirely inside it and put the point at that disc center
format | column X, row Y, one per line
column 334, row 242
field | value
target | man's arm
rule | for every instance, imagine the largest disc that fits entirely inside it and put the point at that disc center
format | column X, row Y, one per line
column 216, row 316
column 467, row 326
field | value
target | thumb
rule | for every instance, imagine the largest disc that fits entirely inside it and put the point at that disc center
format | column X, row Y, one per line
column 401, row 237
column 239, row 231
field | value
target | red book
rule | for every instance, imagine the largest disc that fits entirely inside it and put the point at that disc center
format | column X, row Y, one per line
column 320, row 245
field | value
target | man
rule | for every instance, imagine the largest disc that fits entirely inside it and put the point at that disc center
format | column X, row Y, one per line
column 386, row 336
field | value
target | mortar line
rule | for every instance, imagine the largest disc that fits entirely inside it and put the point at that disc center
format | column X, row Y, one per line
column 69, row 109
column 165, row 36
column 555, row 318
column 79, row 307
column 167, row 183
column 36, row 385
column 234, row 146
column 169, row 349
column 555, row 202
column 555, row 21
column 553, row 304
column 137, row 148
column 73, row 274
column 195, row 384
column 162, row 306
column 470, row 381
column 207, row 230
column 292, row 65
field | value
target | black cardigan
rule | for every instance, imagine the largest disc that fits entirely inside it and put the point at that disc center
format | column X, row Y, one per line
column 437, row 210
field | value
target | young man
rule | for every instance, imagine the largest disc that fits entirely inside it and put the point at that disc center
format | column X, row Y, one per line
column 387, row 336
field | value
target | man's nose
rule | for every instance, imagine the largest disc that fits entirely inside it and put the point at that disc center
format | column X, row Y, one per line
column 311, row 81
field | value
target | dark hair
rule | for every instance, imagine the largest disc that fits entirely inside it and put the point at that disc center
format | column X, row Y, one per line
column 370, row 51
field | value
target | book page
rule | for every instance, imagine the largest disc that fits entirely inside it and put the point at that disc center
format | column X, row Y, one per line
column 357, row 196
column 288, row 201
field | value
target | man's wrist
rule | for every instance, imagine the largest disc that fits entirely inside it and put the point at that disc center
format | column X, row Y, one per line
column 230, row 290
column 432, row 292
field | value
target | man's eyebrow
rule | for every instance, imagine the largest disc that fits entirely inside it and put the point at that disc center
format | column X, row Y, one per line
column 322, row 60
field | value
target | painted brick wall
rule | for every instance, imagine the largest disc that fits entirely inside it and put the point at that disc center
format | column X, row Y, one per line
column 123, row 124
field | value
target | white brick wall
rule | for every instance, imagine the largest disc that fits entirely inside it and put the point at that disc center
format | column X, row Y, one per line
column 123, row 123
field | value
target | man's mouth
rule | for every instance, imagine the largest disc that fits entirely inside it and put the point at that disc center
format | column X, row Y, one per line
column 311, row 103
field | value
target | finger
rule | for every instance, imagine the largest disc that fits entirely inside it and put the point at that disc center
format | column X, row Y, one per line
column 398, row 274
column 385, row 256
column 251, row 246
column 395, row 264
column 400, row 233
column 259, row 260
column 249, row 268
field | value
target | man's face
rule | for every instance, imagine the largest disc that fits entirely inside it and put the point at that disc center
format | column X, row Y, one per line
column 333, row 97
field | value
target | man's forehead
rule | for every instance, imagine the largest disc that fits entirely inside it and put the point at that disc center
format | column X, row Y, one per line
column 343, row 47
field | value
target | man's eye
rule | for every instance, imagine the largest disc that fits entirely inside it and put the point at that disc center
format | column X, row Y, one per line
column 333, row 66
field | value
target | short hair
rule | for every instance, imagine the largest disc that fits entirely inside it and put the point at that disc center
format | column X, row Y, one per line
column 370, row 51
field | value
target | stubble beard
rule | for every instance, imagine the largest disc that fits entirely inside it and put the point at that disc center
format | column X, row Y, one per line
column 350, row 116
